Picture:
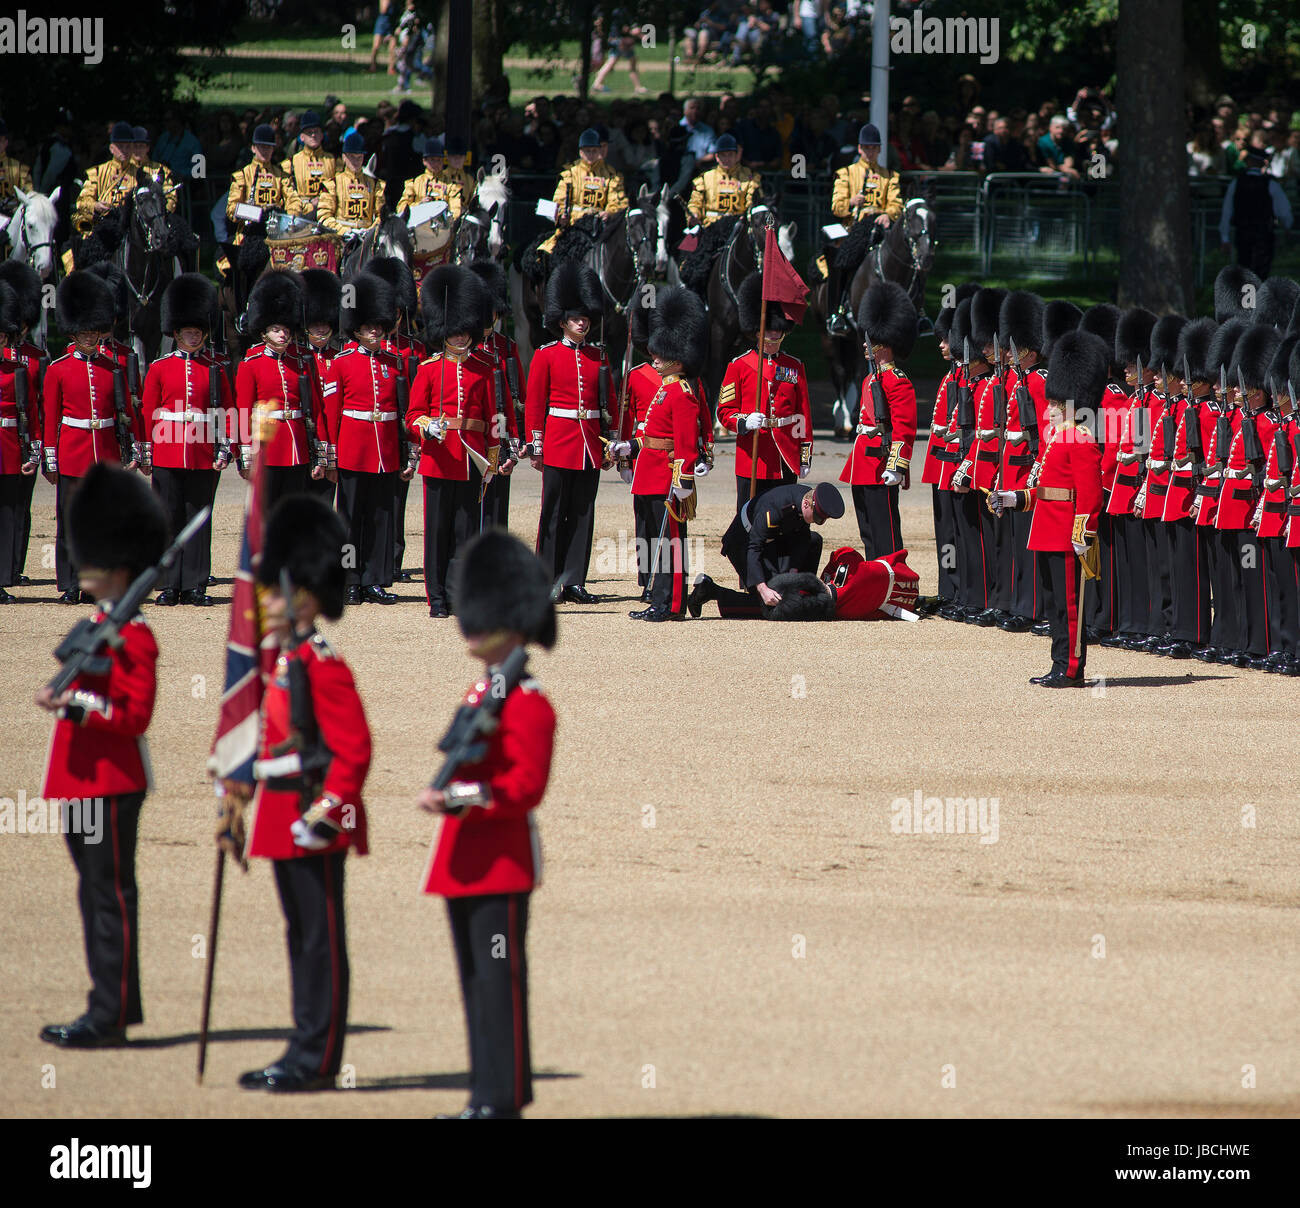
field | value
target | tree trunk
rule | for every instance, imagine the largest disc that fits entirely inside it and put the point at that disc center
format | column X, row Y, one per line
column 1204, row 59
column 489, row 48
column 442, row 39
column 586, row 24
column 1155, row 230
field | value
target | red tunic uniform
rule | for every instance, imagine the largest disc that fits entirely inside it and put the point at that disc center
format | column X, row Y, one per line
column 502, row 350
column 1182, row 473
column 1114, row 413
column 79, row 428
column 1211, row 486
column 12, row 456
column 343, row 729
column 1273, row 505
column 936, row 448
column 787, row 444
column 1066, row 498
column 1293, row 491
column 459, row 391
column 1128, row 459
column 642, row 385
column 668, row 431
column 1237, row 498
column 870, row 590
column 870, row 457
column 271, row 379
column 950, row 456
column 494, row 849
column 563, row 404
column 361, row 399
column 1017, row 452
column 1164, row 424
column 105, row 755
column 179, row 424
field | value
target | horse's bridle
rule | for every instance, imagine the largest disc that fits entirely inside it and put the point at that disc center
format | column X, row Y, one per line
column 728, row 255
column 878, row 254
column 28, row 247
column 621, row 305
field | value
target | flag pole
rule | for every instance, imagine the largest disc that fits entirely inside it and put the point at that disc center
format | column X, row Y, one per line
column 758, row 400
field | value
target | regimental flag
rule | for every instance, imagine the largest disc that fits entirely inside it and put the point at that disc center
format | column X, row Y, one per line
column 780, row 281
column 250, row 653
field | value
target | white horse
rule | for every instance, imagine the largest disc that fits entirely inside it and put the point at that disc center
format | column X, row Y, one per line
column 31, row 231
column 482, row 226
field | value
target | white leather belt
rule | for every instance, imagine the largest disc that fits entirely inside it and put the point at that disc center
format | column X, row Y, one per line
column 1017, row 438
column 182, row 417
column 779, row 421
column 569, row 413
column 1236, row 473
column 295, row 414
column 868, row 429
column 373, row 417
column 985, row 433
column 1270, row 484
column 1129, row 458
column 1156, row 467
column 11, row 422
column 91, row 424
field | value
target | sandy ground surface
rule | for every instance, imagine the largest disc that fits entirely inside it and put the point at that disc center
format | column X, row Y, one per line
column 728, row 923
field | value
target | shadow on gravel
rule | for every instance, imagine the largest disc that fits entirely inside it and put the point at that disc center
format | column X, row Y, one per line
column 436, row 1082
column 1160, row 681
column 229, row 1034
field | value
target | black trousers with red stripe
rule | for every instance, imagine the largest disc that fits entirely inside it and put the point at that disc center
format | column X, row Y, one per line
column 65, row 570
column 281, row 481
column 878, row 522
column 1004, row 564
column 450, row 520
column 1058, row 575
column 1131, row 599
column 496, row 503
column 1247, row 561
column 367, row 506
column 1189, row 583
column 15, row 517
column 183, row 494
column 1160, row 617
column 945, row 541
column 567, row 524
column 399, row 523
column 1026, row 599
column 667, row 555
column 311, row 896
column 1280, row 586
column 974, row 560
column 1100, row 605
column 490, row 933
column 1228, row 625
column 106, row 893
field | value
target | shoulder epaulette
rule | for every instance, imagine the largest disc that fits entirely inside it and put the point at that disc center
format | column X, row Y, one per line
column 549, row 344
column 529, row 684
column 343, row 352
column 56, row 360
column 321, row 645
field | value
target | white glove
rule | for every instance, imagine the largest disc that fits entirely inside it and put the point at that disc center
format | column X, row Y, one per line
column 702, row 469
column 891, row 478
column 753, row 421
column 627, row 474
column 682, row 493
column 1079, row 548
column 303, row 837
column 620, row 448
column 804, row 471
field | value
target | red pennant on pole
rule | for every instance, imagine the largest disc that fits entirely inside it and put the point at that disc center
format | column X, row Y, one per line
column 780, row 282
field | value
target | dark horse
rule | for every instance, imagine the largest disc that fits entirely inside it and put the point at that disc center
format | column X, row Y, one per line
column 623, row 253
column 904, row 255
column 388, row 237
column 145, row 242
column 742, row 255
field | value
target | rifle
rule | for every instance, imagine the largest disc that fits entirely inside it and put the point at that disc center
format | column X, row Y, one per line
column 1223, row 425
column 1025, row 403
column 83, row 650
column 28, row 450
column 1250, row 444
column 603, row 383
column 407, row 451
column 999, row 406
column 1168, row 430
column 965, row 395
column 1192, row 418
column 125, row 437
column 879, row 405
column 466, row 739
column 1282, row 446
column 306, row 400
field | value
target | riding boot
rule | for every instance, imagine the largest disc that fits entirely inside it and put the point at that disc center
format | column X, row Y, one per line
column 836, row 321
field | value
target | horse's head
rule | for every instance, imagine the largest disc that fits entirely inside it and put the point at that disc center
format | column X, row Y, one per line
column 663, row 215
column 641, row 227
column 31, row 231
column 392, row 239
column 493, row 200
column 760, row 217
column 148, row 207
column 785, row 234
column 918, row 220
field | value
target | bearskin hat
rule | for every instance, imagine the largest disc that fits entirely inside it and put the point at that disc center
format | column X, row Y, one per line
column 1292, row 328
column 572, row 288
column 116, row 280
column 1194, row 341
column 11, row 312
column 1164, row 342
column 26, row 284
column 276, row 300
column 804, row 597
column 116, row 521
column 1293, row 365
column 84, row 302
column 323, row 292
column 638, row 317
column 749, row 307
column 1059, row 317
column 1253, row 355
column 1228, row 287
column 943, row 324
column 189, row 301
column 1021, row 319
column 1222, row 345
column 373, row 301
column 679, row 329
column 398, row 274
column 1275, row 302
column 1078, row 370
column 453, row 301
column 1281, row 364
column 493, row 276
column 1133, row 336
column 888, row 314
column 1102, row 321
column 959, row 332
column 305, row 536
column 985, row 310
column 498, row 583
